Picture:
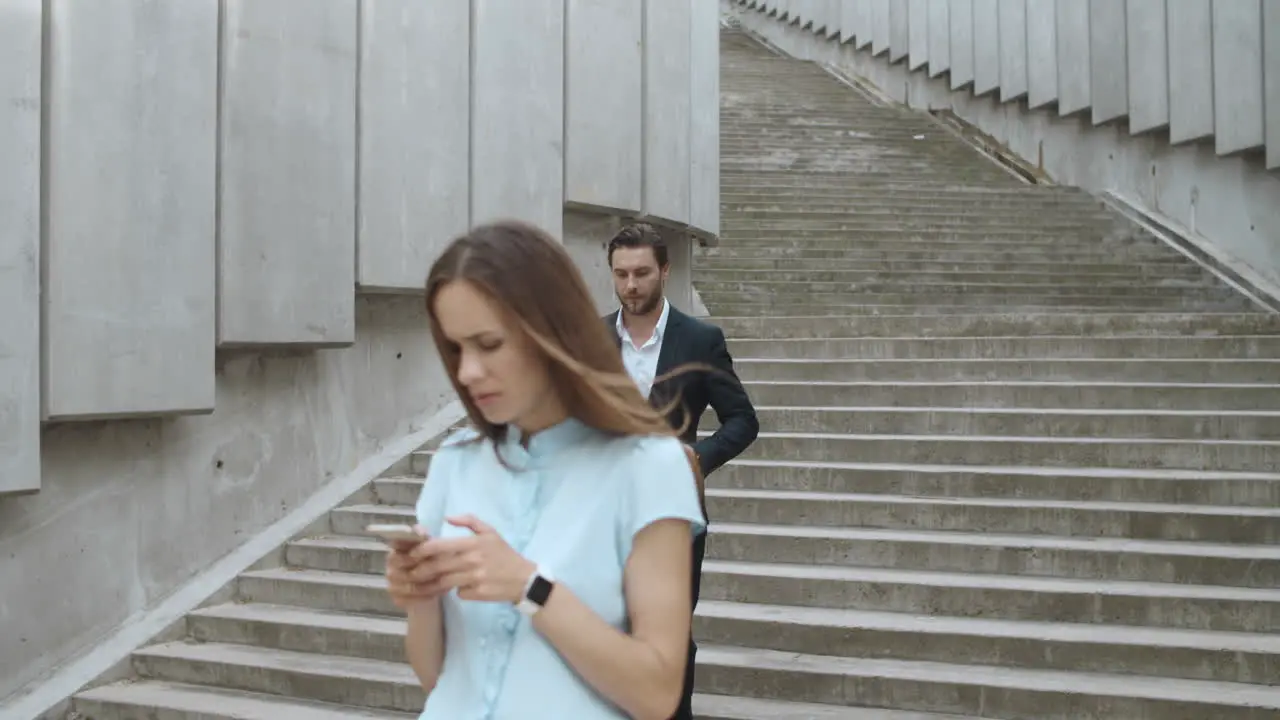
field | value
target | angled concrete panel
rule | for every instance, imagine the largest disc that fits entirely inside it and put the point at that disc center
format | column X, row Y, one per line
column 1189, row 25
column 834, row 16
column 918, row 29
column 130, row 176
column 517, row 123
column 866, row 23
column 1237, row 75
column 667, row 93
column 704, row 126
column 851, row 27
column 20, row 33
column 986, row 46
column 1042, row 53
column 881, row 26
column 286, row 249
column 1146, row 27
column 1271, row 78
column 939, row 37
column 961, row 21
column 414, row 159
column 899, row 29
column 1013, row 49
column 1108, row 59
column 865, row 12
column 603, row 75
column 1073, row 56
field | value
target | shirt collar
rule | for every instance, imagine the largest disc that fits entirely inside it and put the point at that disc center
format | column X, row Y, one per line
column 658, row 329
column 546, row 442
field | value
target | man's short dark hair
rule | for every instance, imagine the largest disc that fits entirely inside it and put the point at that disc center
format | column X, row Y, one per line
column 640, row 235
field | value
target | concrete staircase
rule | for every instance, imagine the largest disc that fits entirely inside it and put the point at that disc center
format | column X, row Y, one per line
column 1018, row 462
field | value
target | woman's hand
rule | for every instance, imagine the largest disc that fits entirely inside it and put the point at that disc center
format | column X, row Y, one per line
column 482, row 567
column 404, row 591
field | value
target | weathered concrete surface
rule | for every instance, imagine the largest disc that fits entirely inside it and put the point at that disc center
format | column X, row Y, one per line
column 130, row 510
column 1056, row 498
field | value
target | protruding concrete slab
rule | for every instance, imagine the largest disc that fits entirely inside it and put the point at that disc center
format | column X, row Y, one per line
column 961, row 35
column 667, row 107
column 704, row 122
column 1146, row 27
column 1238, row 103
column 1190, row 56
column 1271, row 79
column 1074, row 90
column 1108, row 60
column 899, row 29
column 517, row 125
column 129, row 212
column 287, row 231
column 986, row 46
column 1014, row 59
column 20, row 101
column 1042, row 53
column 603, row 135
column 939, row 32
column 415, row 164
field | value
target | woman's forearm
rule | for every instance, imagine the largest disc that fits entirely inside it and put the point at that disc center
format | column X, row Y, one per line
column 630, row 672
column 424, row 642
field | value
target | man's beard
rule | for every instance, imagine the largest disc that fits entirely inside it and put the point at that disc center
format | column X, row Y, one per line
column 642, row 306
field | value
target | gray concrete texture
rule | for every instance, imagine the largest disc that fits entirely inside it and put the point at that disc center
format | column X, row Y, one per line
column 1218, row 79
column 993, row 512
column 257, row 213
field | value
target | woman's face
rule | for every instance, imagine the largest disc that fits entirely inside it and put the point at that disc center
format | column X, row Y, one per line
column 500, row 368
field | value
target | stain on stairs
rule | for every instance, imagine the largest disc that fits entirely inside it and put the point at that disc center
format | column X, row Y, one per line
column 1017, row 461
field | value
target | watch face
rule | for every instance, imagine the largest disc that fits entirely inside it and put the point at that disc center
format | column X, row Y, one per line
column 539, row 590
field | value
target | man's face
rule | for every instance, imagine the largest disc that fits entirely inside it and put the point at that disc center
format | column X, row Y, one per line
column 637, row 279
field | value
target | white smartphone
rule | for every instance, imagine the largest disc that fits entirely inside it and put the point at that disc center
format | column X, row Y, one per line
column 394, row 534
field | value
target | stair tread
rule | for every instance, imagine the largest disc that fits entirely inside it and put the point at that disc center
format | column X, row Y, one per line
column 1055, row 681
column 1112, row 412
column 295, row 615
column 990, row 502
column 731, row 707
column 856, row 574
column 1157, row 638
column 1046, row 542
column 214, row 702
column 993, row 439
column 335, row 666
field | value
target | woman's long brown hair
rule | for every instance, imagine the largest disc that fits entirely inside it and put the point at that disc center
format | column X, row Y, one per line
column 531, row 276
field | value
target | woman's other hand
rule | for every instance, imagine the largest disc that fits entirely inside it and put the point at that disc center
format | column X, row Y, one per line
column 482, row 566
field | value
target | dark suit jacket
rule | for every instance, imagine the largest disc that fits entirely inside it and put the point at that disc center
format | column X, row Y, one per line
column 690, row 340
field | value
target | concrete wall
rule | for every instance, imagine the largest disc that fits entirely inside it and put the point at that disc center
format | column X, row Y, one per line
column 1172, row 104
column 215, row 222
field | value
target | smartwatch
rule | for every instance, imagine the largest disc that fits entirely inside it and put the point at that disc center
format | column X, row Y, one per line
column 536, row 592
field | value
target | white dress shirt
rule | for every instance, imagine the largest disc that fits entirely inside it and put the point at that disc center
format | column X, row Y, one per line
column 642, row 362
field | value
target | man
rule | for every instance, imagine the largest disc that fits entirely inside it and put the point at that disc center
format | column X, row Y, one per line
column 654, row 338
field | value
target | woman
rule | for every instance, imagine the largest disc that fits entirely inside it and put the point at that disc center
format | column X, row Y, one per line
column 554, row 577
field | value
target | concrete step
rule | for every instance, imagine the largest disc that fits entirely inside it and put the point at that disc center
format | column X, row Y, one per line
column 301, row 629
column 728, row 707
column 1145, row 485
column 958, row 238
column 993, row 692
column 1100, row 559
column 1015, row 598
column 1034, row 217
column 975, row 279
column 1081, row 370
column 984, row 642
column 1010, row 347
column 158, row 700
column 374, row 684
column 733, row 225
column 1052, row 422
column 1019, row 450
column 977, row 267
column 793, row 196
column 1012, row 597
column 906, row 284
column 1016, row 516
column 967, row 305
column 1084, row 325
column 1098, row 396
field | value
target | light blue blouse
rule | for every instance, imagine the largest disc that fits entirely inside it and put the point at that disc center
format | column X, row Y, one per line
column 571, row 503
